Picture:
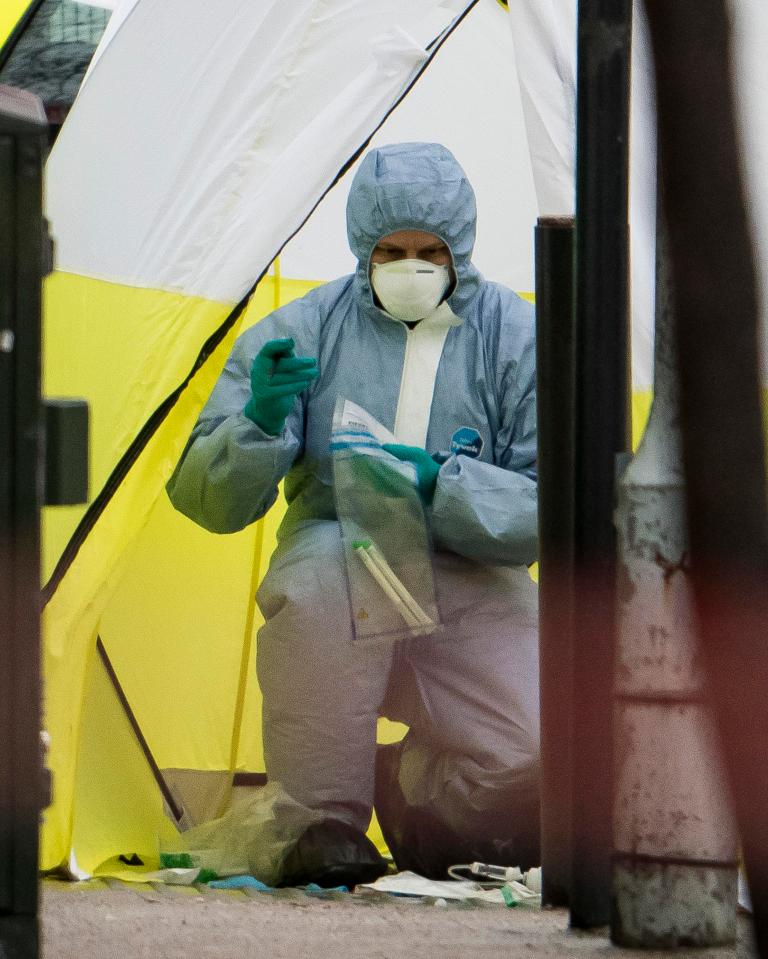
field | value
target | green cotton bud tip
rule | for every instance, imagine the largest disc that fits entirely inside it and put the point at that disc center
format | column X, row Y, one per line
column 361, row 544
column 176, row 860
column 509, row 896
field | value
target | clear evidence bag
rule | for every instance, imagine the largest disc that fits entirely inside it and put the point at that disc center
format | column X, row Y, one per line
column 384, row 531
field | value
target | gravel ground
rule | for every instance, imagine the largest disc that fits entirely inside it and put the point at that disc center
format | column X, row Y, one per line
column 99, row 921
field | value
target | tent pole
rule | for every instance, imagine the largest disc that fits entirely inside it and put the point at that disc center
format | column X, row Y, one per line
column 277, row 291
column 245, row 659
column 177, row 811
column 554, row 391
column 602, row 416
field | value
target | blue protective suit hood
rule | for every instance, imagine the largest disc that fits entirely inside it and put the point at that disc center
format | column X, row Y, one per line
column 414, row 186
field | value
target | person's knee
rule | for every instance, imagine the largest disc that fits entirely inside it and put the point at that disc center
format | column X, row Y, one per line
column 437, row 808
column 463, row 788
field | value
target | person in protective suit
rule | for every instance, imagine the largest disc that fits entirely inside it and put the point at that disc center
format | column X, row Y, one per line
column 446, row 361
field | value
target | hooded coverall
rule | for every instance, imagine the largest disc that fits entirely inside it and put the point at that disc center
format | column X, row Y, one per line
column 461, row 382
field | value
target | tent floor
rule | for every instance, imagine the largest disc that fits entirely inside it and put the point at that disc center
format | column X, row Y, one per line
column 101, row 919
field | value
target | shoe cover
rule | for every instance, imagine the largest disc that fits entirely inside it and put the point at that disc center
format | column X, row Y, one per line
column 332, row 853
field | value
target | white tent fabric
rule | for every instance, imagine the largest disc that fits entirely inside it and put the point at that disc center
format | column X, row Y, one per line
column 260, row 101
column 545, row 35
column 121, row 9
column 546, row 52
column 750, row 23
column 468, row 100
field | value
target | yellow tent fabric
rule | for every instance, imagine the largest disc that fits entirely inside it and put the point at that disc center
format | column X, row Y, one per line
column 10, row 14
column 69, row 629
column 184, row 661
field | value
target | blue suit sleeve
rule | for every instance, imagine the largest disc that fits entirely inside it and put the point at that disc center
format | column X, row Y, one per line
column 228, row 474
column 489, row 511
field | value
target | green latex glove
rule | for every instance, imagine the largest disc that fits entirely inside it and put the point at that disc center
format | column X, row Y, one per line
column 377, row 476
column 426, row 468
column 277, row 377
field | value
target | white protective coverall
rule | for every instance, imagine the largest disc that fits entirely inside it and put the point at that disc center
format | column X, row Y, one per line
column 461, row 382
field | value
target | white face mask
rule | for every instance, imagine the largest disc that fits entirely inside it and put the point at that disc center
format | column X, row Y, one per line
column 409, row 290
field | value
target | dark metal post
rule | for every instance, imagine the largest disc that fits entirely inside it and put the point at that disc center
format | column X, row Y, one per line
column 23, row 141
column 554, row 365
column 602, row 415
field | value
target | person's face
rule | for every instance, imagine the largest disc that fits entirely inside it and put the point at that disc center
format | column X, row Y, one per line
column 411, row 245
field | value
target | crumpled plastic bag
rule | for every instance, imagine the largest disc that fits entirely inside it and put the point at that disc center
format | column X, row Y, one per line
column 254, row 837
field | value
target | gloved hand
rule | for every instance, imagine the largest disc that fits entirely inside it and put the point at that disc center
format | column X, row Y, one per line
column 377, row 476
column 277, row 376
column 426, row 468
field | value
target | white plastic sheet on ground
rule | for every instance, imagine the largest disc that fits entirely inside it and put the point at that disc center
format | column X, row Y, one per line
column 411, row 884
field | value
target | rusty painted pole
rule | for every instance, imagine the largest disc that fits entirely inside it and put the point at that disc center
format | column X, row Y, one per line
column 674, row 877
column 717, row 312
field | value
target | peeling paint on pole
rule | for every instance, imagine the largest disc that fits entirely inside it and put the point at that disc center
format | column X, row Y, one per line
column 674, row 865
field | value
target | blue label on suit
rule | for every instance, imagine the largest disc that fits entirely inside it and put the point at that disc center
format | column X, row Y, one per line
column 467, row 441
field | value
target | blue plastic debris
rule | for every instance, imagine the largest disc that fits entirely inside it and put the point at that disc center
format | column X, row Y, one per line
column 248, row 882
column 240, row 882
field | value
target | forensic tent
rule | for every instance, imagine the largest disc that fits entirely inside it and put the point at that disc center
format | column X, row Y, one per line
column 169, row 197
column 198, row 183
